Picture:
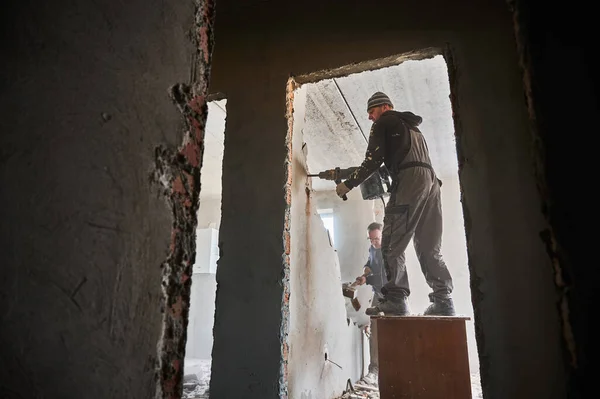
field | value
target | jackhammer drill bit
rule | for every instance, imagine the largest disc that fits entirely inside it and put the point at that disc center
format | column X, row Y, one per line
column 336, row 175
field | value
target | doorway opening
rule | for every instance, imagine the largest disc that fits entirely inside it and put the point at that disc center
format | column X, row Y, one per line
column 331, row 119
column 198, row 351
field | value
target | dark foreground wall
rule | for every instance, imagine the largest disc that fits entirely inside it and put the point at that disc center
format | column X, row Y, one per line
column 259, row 44
column 84, row 102
column 559, row 53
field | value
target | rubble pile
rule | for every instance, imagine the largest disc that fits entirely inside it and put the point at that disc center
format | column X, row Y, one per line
column 360, row 391
column 194, row 388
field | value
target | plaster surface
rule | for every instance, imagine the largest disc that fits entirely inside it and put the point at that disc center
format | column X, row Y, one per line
column 563, row 166
column 84, row 100
column 323, row 353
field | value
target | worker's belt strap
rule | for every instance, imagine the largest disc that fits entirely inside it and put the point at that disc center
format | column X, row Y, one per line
column 413, row 164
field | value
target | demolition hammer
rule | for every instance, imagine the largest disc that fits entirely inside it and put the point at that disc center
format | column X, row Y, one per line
column 348, row 290
column 336, row 175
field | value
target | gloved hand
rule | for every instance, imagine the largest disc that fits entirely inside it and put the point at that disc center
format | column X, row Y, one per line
column 342, row 189
column 360, row 280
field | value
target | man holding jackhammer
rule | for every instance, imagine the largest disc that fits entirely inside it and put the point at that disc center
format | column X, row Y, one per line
column 414, row 209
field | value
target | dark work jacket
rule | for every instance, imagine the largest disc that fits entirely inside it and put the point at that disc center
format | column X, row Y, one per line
column 389, row 142
column 377, row 278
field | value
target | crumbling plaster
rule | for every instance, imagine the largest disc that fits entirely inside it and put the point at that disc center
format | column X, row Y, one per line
column 324, row 348
column 519, row 334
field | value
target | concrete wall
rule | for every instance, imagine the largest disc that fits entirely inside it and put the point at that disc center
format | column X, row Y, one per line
column 318, row 328
column 84, row 101
column 563, row 43
column 259, row 44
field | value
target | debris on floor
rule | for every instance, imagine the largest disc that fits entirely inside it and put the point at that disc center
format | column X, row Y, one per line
column 359, row 391
column 193, row 388
column 196, row 381
column 360, row 395
column 476, row 386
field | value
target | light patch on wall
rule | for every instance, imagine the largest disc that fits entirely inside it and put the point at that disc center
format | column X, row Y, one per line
column 317, row 309
column 327, row 218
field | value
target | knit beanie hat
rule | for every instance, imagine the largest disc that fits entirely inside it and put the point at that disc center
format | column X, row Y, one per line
column 378, row 99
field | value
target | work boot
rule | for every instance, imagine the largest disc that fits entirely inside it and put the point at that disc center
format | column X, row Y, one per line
column 390, row 308
column 440, row 307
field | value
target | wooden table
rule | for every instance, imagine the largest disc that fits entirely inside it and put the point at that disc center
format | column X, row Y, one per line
column 423, row 357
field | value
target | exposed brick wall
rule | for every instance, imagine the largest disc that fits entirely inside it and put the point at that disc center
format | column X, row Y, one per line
column 179, row 173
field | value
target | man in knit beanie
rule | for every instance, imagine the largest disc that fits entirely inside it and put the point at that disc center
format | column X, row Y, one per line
column 413, row 211
column 378, row 99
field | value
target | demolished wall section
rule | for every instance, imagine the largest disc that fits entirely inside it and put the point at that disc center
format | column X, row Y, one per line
column 323, row 350
column 350, row 219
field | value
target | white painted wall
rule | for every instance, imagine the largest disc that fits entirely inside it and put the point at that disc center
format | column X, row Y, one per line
column 202, row 316
column 202, row 297
column 203, row 292
column 318, row 323
column 209, row 213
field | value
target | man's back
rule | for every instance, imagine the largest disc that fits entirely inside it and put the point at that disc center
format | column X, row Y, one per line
column 395, row 127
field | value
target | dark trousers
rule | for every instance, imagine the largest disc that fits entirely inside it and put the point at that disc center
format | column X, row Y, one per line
column 414, row 211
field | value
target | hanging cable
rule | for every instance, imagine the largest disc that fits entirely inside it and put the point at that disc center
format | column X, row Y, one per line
column 350, row 110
